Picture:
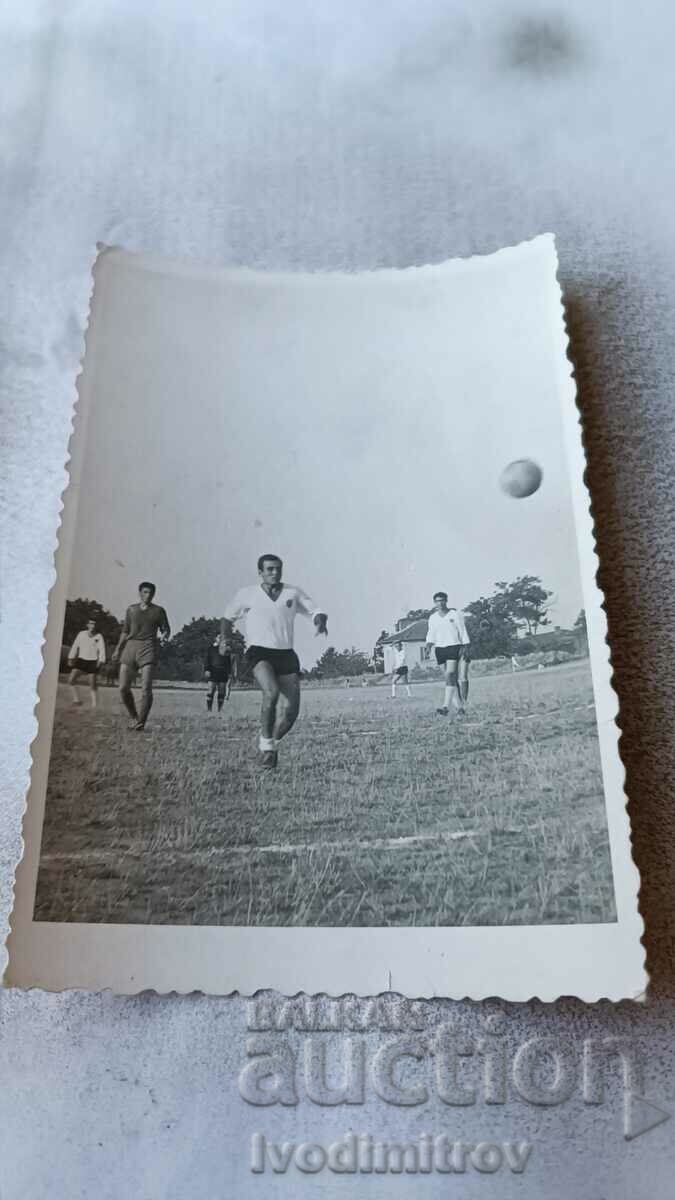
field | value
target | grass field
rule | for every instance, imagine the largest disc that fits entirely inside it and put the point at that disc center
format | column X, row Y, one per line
column 381, row 812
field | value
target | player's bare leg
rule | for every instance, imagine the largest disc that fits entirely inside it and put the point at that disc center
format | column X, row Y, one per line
column 393, row 686
column 126, row 694
column 74, row 694
column 288, row 705
column 463, row 682
column 210, row 693
column 451, row 693
column 146, row 696
column 267, row 681
column 222, row 688
column 228, row 688
column 93, row 690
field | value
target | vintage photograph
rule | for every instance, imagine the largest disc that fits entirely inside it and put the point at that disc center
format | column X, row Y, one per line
column 321, row 644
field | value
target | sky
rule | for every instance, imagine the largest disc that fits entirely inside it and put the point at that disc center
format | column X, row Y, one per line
column 356, row 425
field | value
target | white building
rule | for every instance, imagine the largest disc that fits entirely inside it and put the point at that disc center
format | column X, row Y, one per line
column 413, row 638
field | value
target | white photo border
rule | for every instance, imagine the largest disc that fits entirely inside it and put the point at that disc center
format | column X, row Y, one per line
column 516, row 963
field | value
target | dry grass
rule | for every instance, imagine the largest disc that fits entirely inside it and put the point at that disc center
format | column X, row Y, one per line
column 178, row 825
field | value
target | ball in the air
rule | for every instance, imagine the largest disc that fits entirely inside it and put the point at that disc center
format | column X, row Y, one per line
column 521, row 478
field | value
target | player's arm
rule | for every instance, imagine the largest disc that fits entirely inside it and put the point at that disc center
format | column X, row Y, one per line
column 124, row 636
column 306, row 605
column 164, row 628
column 72, row 653
column 461, row 625
column 101, row 650
column 233, row 611
column 431, row 631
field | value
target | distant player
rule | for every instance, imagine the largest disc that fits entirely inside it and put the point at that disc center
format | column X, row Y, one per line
column 85, row 657
column 218, row 668
column 269, row 608
column 400, row 672
column 145, row 626
column 447, row 634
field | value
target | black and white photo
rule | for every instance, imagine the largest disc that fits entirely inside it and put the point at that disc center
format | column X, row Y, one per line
column 327, row 568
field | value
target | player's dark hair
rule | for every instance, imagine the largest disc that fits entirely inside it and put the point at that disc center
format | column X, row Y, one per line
column 268, row 558
column 146, row 584
column 440, row 595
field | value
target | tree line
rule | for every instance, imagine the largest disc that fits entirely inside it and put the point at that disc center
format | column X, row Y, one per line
column 182, row 657
column 495, row 624
column 498, row 625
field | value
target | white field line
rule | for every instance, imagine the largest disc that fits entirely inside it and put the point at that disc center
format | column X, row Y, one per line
column 104, row 856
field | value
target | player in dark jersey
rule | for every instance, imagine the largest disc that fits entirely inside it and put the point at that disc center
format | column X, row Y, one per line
column 145, row 625
column 218, row 669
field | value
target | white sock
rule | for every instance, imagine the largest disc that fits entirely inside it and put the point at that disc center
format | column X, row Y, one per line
column 407, row 688
column 267, row 743
column 393, row 691
column 94, row 700
column 448, row 696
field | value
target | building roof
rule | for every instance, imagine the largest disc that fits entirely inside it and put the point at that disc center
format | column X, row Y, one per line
column 415, row 632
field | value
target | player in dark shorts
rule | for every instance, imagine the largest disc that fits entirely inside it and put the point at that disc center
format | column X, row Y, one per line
column 269, row 608
column 86, row 657
column 400, row 672
column 145, row 626
column 447, row 634
column 218, row 669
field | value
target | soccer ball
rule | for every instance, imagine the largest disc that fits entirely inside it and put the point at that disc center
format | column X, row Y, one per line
column 521, row 478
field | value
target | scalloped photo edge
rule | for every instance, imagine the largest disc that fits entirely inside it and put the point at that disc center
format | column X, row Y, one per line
column 333, row 419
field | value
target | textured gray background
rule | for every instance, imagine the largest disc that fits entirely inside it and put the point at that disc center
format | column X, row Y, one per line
column 341, row 134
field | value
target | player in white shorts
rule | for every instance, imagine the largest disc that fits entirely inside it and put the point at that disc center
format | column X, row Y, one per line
column 400, row 672
column 269, row 609
column 447, row 634
column 86, row 656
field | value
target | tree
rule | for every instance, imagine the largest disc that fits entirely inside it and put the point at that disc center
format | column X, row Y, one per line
column 79, row 611
column 490, row 628
column 183, row 656
column 345, row 662
column 581, row 630
column 378, row 652
column 525, row 601
column 417, row 614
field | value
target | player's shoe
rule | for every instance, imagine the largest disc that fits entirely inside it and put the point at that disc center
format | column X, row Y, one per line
column 138, row 727
column 442, row 712
column 269, row 760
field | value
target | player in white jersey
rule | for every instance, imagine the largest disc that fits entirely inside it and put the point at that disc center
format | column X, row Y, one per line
column 400, row 672
column 85, row 657
column 447, row 633
column 269, row 609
